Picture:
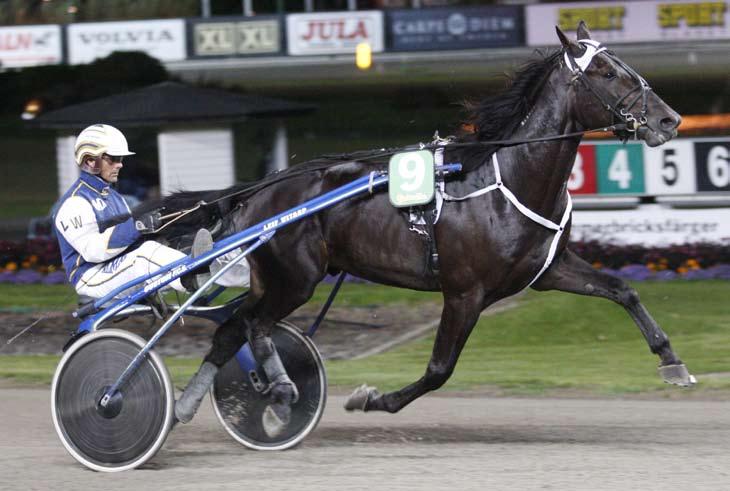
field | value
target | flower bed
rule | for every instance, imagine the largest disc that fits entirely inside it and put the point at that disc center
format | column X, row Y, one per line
column 635, row 262
column 32, row 261
column 39, row 261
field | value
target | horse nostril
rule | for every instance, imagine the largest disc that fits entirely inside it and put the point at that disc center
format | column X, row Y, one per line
column 670, row 123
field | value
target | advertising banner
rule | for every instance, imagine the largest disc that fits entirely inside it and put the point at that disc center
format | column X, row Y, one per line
column 652, row 225
column 30, row 45
column 455, row 28
column 235, row 37
column 630, row 21
column 162, row 39
column 334, row 32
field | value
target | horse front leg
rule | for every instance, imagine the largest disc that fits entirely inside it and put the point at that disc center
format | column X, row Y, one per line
column 572, row 274
column 459, row 315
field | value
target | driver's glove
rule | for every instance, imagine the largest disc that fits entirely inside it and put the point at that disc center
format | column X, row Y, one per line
column 148, row 223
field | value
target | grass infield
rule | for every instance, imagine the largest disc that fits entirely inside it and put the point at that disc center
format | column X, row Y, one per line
column 549, row 342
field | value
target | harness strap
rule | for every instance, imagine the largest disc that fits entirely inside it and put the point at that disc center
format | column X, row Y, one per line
column 556, row 239
column 523, row 209
column 559, row 228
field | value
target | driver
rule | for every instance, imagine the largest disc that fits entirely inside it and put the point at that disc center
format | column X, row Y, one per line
column 101, row 246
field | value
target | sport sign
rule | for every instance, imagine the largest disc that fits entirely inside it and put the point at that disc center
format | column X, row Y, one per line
column 411, row 178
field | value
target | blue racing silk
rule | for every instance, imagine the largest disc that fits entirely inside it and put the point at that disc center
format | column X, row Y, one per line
column 93, row 225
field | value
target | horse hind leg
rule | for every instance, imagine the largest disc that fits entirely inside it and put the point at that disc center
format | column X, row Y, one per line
column 458, row 318
column 572, row 274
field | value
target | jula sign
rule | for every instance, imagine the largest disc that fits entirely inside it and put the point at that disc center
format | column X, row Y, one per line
column 333, row 33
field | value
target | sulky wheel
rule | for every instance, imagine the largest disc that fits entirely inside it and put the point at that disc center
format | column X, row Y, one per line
column 133, row 427
column 239, row 399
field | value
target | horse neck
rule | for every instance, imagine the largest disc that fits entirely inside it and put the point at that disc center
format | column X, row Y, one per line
column 539, row 172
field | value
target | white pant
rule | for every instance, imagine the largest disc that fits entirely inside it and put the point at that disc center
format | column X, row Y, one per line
column 102, row 279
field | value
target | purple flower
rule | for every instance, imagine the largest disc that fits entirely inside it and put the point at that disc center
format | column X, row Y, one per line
column 27, row 276
column 665, row 275
column 55, row 278
column 6, row 277
column 697, row 274
column 637, row 272
column 720, row 271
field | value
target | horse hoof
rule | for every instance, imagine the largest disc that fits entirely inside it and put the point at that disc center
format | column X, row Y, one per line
column 273, row 423
column 359, row 398
column 677, row 375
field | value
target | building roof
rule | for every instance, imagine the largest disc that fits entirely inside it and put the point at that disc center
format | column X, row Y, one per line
column 169, row 103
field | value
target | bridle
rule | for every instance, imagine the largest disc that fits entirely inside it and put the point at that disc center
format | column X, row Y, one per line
column 578, row 66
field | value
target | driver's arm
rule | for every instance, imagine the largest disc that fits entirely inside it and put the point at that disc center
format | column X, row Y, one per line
column 77, row 223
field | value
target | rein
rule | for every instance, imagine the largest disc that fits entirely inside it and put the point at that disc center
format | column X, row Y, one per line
column 366, row 155
column 386, row 152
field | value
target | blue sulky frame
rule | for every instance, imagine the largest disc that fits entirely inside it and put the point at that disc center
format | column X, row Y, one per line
column 96, row 313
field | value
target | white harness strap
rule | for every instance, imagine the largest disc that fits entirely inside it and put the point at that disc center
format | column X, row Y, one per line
column 558, row 228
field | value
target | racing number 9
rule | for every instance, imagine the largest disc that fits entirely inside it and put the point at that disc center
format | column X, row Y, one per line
column 411, row 178
column 411, row 170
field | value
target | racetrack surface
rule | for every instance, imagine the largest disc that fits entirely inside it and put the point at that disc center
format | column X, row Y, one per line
column 438, row 442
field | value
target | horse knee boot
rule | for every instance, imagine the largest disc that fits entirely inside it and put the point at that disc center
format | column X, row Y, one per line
column 189, row 402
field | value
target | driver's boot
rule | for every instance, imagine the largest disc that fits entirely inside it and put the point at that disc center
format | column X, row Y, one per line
column 202, row 243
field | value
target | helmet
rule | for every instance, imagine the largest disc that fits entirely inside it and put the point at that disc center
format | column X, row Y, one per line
column 99, row 139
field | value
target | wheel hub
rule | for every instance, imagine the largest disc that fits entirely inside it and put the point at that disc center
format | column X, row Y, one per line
column 113, row 406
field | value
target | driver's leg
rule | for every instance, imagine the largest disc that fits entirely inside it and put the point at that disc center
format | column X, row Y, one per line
column 147, row 258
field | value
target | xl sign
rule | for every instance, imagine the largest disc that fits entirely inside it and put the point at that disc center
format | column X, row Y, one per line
column 162, row 39
column 334, row 32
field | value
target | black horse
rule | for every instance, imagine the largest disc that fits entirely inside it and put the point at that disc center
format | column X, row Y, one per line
column 488, row 249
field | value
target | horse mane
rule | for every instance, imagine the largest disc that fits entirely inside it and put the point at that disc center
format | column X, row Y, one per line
column 498, row 116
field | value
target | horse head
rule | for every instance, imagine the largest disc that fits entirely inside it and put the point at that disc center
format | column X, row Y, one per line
column 608, row 91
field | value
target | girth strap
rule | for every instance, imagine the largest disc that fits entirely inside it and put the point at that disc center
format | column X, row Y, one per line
column 557, row 227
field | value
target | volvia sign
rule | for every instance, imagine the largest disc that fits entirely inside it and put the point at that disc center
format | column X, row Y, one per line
column 334, row 32
column 162, row 39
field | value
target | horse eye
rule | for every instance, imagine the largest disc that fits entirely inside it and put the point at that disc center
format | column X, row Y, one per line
column 610, row 75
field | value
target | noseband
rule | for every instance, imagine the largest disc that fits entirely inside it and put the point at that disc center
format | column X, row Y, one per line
column 579, row 65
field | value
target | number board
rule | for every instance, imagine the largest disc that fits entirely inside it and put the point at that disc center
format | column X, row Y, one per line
column 411, row 178
column 669, row 168
column 620, row 169
column 583, row 178
column 713, row 166
column 681, row 166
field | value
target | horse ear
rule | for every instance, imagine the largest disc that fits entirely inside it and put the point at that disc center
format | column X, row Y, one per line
column 583, row 32
column 570, row 46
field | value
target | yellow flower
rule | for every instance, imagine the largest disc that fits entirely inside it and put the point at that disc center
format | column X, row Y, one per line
column 692, row 263
column 11, row 266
